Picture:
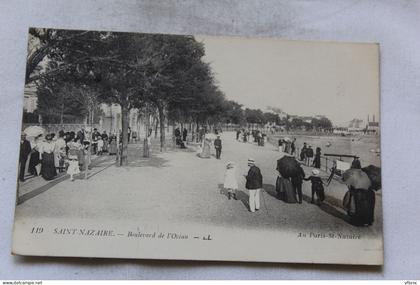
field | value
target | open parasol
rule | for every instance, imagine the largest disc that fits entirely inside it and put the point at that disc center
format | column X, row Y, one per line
column 34, row 131
column 374, row 174
column 356, row 178
column 288, row 166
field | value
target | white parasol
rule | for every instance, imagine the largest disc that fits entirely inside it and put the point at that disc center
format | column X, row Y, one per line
column 34, row 131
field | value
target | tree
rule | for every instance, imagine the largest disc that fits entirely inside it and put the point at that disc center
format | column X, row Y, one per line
column 44, row 44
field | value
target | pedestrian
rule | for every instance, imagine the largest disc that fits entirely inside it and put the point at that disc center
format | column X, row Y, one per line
column 81, row 135
column 205, row 149
column 177, row 134
column 285, row 190
column 309, row 155
column 303, row 153
column 297, row 181
column 360, row 205
column 254, row 182
column 113, row 145
column 100, row 145
column 238, row 133
column 280, row 142
column 286, row 146
column 129, row 134
column 60, row 151
column 184, row 134
column 230, row 182
column 260, row 139
column 293, row 147
column 356, row 163
column 25, row 150
column 317, row 187
column 73, row 158
column 48, row 170
column 105, row 138
column 317, row 160
column 218, row 146
column 35, row 158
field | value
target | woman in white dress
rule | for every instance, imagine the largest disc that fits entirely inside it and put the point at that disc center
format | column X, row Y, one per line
column 73, row 158
column 230, row 182
column 60, row 152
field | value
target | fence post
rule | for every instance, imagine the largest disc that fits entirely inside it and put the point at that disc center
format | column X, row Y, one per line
column 326, row 164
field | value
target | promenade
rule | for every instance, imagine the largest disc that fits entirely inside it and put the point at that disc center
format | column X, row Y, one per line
column 177, row 186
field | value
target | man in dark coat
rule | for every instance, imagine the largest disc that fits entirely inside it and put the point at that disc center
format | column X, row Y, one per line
column 184, row 134
column 309, row 155
column 297, row 181
column 303, row 153
column 356, row 163
column 218, row 147
column 254, row 182
column 293, row 147
column 177, row 136
column 25, row 150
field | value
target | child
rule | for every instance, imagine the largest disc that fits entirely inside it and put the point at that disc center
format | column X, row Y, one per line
column 100, row 145
column 317, row 186
column 230, row 182
column 73, row 161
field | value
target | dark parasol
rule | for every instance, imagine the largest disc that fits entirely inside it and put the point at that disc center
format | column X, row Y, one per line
column 374, row 174
column 356, row 178
column 288, row 166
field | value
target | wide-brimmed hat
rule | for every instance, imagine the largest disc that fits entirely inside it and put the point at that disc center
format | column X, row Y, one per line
column 315, row 172
column 230, row 165
column 49, row 137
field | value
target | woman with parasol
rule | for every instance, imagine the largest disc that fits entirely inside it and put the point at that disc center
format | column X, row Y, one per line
column 360, row 199
column 287, row 167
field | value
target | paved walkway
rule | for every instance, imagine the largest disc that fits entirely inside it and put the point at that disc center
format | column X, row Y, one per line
column 178, row 186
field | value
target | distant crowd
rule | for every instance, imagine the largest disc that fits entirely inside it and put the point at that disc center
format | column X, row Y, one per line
column 62, row 152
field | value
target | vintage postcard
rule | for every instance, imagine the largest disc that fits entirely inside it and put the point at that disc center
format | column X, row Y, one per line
column 199, row 148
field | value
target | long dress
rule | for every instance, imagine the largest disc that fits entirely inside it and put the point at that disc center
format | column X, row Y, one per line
column 113, row 146
column 73, row 158
column 361, row 206
column 205, row 153
column 317, row 160
column 34, row 158
column 230, row 179
column 285, row 190
column 48, row 170
column 59, row 152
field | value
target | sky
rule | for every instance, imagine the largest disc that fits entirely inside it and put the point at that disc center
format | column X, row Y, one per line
column 338, row 80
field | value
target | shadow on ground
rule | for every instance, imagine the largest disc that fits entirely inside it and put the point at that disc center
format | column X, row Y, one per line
column 326, row 206
column 240, row 195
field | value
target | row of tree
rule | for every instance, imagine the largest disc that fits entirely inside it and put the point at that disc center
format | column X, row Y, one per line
column 75, row 71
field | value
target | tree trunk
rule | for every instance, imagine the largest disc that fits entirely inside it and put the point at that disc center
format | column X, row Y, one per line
column 156, row 128
column 162, row 127
column 124, row 127
column 62, row 114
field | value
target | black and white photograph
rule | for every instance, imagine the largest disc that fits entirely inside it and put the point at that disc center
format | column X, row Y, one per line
column 159, row 146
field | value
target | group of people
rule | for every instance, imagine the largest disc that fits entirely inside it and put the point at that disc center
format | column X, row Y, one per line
column 51, row 154
column 306, row 155
column 254, row 183
column 181, row 137
column 204, row 150
column 360, row 203
column 244, row 135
